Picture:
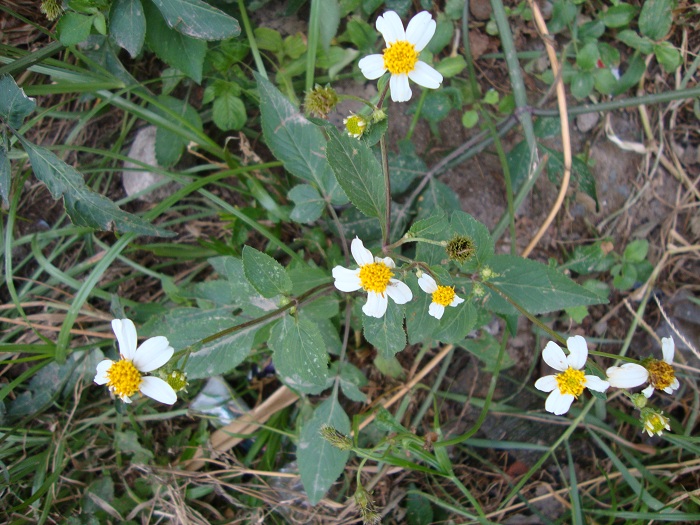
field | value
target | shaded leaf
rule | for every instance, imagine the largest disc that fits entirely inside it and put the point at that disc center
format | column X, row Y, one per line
column 198, row 19
column 265, row 274
column 320, row 463
column 127, row 25
column 308, row 203
column 85, row 207
column 14, row 104
column 5, row 181
column 386, row 333
column 656, row 18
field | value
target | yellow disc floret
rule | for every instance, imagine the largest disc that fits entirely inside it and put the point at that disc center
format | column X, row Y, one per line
column 444, row 295
column 124, row 378
column 400, row 57
column 355, row 125
column 375, row 276
column 571, row 381
column 661, row 374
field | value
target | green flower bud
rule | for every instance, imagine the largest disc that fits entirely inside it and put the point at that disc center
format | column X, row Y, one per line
column 320, row 100
column 177, row 379
column 355, row 125
column 460, row 248
column 52, row 9
column 368, row 511
column 654, row 421
column 336, row 438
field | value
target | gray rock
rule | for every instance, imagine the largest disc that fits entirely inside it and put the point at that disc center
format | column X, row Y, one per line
column 135, row 179
column 587, row 121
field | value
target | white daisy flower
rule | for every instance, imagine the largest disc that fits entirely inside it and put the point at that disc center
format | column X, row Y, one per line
column 124, row 377
column 400, row 57
column 570, row 382
column 442, row 295
column 375, row 277
column 661, row 373
column 627, row 375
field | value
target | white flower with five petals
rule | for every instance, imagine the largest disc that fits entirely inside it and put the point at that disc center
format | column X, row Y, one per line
column 124, row 377
column 400, row 57
column 374, row 276
column 569, row 383
column 442, row 296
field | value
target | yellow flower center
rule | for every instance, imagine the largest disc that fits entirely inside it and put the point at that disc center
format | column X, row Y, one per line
column 571, row 381
column 124, row 378
column 661, row 374
column 444, row 295
column 355, row 126
column 655, row 423
column 375, row 276
column 400, row 57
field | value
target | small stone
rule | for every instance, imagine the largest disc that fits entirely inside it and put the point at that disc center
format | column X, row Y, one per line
column 587, row 121
column 480, row 9
column 135, row 178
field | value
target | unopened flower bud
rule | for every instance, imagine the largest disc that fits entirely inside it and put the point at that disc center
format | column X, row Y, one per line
column 654, row 421
column 52, row 9
column 368, row 511
column 177, row 379
column 320, row 100
column 460, row 248
column 639, row 400
column 355, row 125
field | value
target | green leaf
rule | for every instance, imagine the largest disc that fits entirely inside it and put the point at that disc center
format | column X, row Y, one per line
column 443, row 34
column 437, row 196
column 308, row 203
column 128, row 442
column 486, row 350
column 470, row 118
column 229, row 112
column 668, row 56
column 186, row 326
column 386, row 333
column 619, row 15
column 73, row 28
column 453, row 9
column 198, row 19
column 404, row 167
column 296, row 142
column 464, row 224
column 320, row 463
column 604, row 81
column 351, row 380
column 330, row 20
column 636, row 251
column 632, row 39
column 177, row 50
column 15, row 106
column 268, row 39
column 85, row 207
column 358, row 172
column 587, row 57
column 579, row 171
column 537, row 287
column 265, row 274
column 582, row 84
column 355, row 224
column 420, row 325
column 300, row 355
column 456, row 323
column 5, row 181
column 127, row 25
column 545, row 127
column 451, row 66
column 429, row 227
column 418, row 509
column 361, row 34
column 169, row 145
column 563, row 14
column 656, row 18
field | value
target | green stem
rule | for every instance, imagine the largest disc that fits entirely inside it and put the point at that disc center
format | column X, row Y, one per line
column 416, row 115
column 312, row 47
column 260, row 66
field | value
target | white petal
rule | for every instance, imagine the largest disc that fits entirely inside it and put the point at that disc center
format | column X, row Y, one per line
column 628, row 375
column 399, row 291
column 156, row 388
column 558, row 403
column 424, row 75
column 102, row 367
column 400, row 90
column 420, row 30
column 361, row 254
column 436, row 310
column 126, row 399
column 554, row 356
column 391, row 27
column 376, row 305
column 457, row 300
column 125, row 331
column 372, row 66
column 546, row 383
column 153, row 353
column 427, row 283
column 648, row 391
column 596, row 383
column 578, row 352
column 387, row 261
column 670, row 389
column 346, row 280
column 668, row 348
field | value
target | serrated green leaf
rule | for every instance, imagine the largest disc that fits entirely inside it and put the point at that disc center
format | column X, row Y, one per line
column 320, row 463
column 536, row 287
column 437, row 196
column 85, row 207
column 429, row 226
column 5, row 180
column 579, row 171
column 420, row 325
column 127, row 25
column 14, row 104
column 73, row 28
column 358, row 172
column 174, row 48
column 186, row 326
column 308, row 202
column 456, row 323
column 228, row 112
column 351, row 380
column 386, row 334
column 656, row 18
column 464, row 224
column 265, row 274
column 404, row 167
column 198, row 19
column 296, row 142
column 300, row 356
column 356, row 224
